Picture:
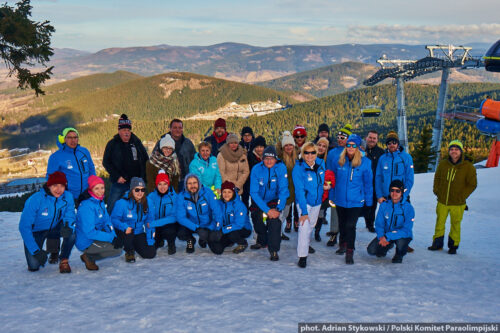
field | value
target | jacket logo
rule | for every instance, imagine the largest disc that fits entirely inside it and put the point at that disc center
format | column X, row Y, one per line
column 45, row 212
column 129, row 214
column 68, row 164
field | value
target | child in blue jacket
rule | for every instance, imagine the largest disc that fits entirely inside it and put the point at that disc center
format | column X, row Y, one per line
column 131, row 218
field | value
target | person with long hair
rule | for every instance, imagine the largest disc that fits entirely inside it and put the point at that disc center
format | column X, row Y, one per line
column 131, row 218
column 323, row 143
column 163, row 159
column 353, row 188
column 308, row 179
column 288, row 154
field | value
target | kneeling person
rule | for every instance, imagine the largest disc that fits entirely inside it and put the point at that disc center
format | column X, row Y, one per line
column 393, row 224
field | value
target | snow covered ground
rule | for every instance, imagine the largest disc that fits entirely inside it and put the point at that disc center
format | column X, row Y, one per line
column 249, row 293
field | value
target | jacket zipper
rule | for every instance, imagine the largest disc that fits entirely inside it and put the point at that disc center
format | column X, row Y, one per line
column 449, row 177
column 53, row 217
column 79, row 170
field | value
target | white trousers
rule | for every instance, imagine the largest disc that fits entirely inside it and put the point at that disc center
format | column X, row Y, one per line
column 305, row 230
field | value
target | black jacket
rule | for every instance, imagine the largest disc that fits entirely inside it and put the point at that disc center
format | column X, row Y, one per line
column 374, row 154
column 118, row 159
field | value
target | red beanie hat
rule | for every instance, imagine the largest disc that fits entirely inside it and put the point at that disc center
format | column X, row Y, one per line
column 93, row 181
column 227, row 185
column 220, row 123
column 299, row 130
column 57, row 178
column 162, row 177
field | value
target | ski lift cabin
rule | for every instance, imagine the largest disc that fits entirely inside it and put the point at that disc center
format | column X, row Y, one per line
column 371, row 111
column 492, row 58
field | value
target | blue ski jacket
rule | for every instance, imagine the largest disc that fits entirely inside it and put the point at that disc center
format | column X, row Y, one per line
column 204, row 213
column 163, row 207
column 93, row 224
column 391, row 166
column 207, row 171
column 269, row 184
column 395, row 221
column 308, row 183
column 127, row 213
column 353, row 186
column 234, row 215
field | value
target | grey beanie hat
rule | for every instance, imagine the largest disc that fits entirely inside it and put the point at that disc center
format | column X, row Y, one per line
column 136, row 182
column 232, row 138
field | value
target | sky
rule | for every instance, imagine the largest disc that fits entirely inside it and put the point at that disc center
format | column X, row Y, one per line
column 92, row 25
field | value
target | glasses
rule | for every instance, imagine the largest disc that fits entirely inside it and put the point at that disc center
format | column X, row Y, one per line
column 397, row 190
column 351, row 145
column 341, row 137
column 137, row 190
column 299, row 136
column 72, row 137
column 310, row 153
column 392, row 143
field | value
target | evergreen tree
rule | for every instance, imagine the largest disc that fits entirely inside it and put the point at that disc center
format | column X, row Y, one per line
column 423, row 152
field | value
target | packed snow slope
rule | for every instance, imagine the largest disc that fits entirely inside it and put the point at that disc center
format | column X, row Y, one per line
column 202, row 292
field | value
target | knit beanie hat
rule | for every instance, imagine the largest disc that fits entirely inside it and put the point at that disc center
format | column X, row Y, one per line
column 136, row 182
column 398, row 184
column 324, row 128
column 124, row 122
column 270, row 151
column 392, row 137
column 456, row 143
column 232, row 138
column 65, row 132
column 227, row 185
column 355, row 139
column 260, row 141
column 346, row 130
column 167, row 141
column 57, row 178
column 93, row 181
column 220, row 123
column 162, row 177
column 287, row 139
column 299, row 130
column 246, row 130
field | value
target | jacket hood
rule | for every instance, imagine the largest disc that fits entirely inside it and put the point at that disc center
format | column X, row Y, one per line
column 192, row 175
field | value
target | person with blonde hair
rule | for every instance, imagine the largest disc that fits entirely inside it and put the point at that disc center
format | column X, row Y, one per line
column 353, row 188
column 322, row 143
column 288, row 154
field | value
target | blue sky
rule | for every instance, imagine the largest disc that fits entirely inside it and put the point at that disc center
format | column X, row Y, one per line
column 93, row 25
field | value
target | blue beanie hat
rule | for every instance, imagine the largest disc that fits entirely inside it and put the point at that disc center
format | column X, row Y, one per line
column 355, row 139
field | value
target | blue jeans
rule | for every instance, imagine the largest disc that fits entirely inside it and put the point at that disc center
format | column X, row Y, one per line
column 375, row 249
column 116, row 193
column 41, row 236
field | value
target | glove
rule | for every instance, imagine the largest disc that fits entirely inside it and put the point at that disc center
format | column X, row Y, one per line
column 66, row 231
column 117, row 243
column 41, row 256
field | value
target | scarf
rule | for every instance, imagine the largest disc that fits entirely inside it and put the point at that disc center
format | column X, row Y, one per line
column 220, row 139
column 168, row 164
column 230, row 155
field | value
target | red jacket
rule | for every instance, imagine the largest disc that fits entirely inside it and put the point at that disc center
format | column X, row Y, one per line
column 329, row 177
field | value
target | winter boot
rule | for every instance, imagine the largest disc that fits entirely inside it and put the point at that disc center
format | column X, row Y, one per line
column 342, row 249
column 240, row 248
column 89, row 263
column 349, row 256
column 452, row 249
column 288, row 226
column 202, row 243
column 284, row 237
column 302, row 262
column 437, row 244
column 130, row 256
column 274, row 256
column 397, row 259
column 317, row 237
column 64, row 266
column 171, row 249
column 333, row 240
column 311, row 250
column 296, row 226
column 257, row 246
column 190, row 246
column 410, row 249
column 159, row 243
column 54, row 258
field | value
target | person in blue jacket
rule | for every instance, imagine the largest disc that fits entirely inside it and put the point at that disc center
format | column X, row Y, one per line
column 353, row 188
column 394, row 164
column 236, row 225
column 269, row 192
column 48, row 212
column 204, row 165
column 162, row 202
column 131, row 218
column 198, row 212
column 308, row 180
column 393, row 225
column 76, row 163
column 95, row 235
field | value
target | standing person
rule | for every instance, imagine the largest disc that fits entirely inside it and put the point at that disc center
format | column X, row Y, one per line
column 247, row 138
column 269, row 191
column 254, row 157
column 204, row 165
column 131, row 218
column 95, row 235
column 162, row 203
column 235, row 222
column 288, row 154
column 324, row 132
column 163, row 159
column 124, row 158
column 218, row 137
column 394, row 225
column 48, row 212
column 308, row 179
column 76, row 163
column 184, row 148
column 332, row 159
column 395, row 163
column 198, row 212
column 454, row 181
column 322, row 145
column 373, row 152
column 233, row 163
column 353, row 188
column 299, row 136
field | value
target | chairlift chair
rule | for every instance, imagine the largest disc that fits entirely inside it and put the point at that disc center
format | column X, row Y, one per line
column 492, row 58
column 371, row 111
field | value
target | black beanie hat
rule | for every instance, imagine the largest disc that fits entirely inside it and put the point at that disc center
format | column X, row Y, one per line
column 124, row 122
column 260, row 141
column 245, row 130
column 324, row 128
column 397, row 183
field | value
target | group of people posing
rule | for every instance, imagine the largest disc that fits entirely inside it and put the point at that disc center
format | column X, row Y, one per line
column 178, row 193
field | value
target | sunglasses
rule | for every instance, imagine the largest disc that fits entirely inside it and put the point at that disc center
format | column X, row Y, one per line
column 392, row 142
column 137, row 190
column 310, row 153
column 299, row 136
column 397, row 190
column 341, row 137
column 351, row 145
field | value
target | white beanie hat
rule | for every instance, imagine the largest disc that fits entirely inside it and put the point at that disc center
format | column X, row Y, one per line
column 287, row 139
column 167, row 141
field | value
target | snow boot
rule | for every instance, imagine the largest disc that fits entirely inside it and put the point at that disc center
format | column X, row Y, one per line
column 342, row 249
column 349, row 256
column 64, row 266
column 89, row 263
column 311, row 250
column 202, row 243
column 410, row 249
column 257, row 246
column 288, row 226
column 33, row 269
column 296, row 226
column 452, row 249
column 284, row 237
column 159, row 243
column 274, row 256
column 130, row 256
column 171, row 249
column 333, row 239
column 302, row 262
column 317, row 237
column 240, row 248
column 397, row 259
column 437, row 244
column 54, row 258
column 190, row 246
